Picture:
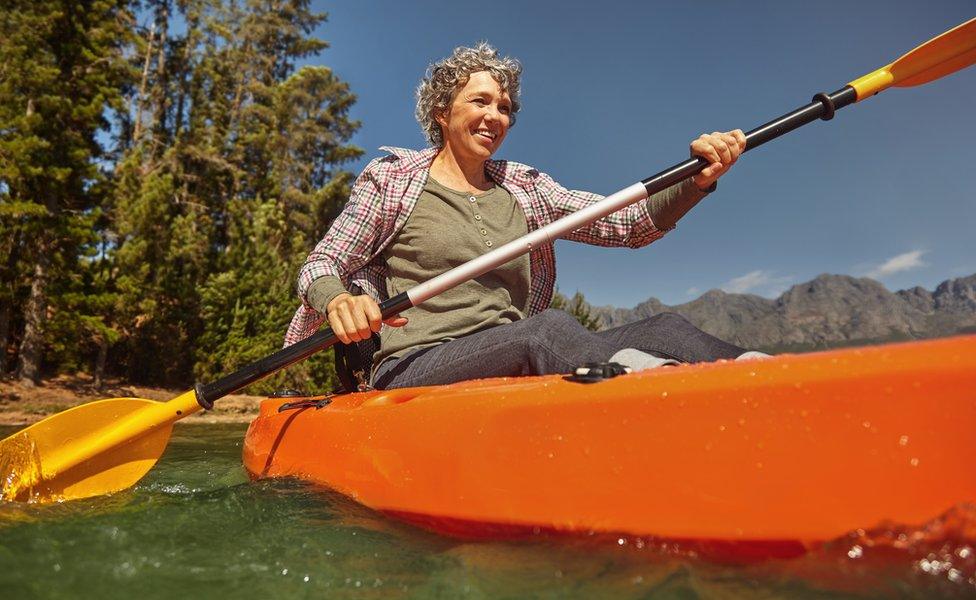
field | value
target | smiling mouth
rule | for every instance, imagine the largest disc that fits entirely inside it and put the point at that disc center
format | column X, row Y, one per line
column 488, row 135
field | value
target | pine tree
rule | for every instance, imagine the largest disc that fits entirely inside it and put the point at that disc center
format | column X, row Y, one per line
column 229, row 176
column 63, row 69
column 289, row 131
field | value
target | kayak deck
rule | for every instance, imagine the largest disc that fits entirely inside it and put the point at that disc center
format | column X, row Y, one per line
column 797, row 447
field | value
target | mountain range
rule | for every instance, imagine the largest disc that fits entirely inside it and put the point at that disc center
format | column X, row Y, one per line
column 829, row 311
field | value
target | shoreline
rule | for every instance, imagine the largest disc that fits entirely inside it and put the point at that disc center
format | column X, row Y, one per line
column 22, row 405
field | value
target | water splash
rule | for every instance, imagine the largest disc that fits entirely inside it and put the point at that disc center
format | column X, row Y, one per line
column 942, row 550
column 20, row 469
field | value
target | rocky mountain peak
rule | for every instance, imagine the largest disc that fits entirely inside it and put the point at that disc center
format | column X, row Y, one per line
column 826, row 311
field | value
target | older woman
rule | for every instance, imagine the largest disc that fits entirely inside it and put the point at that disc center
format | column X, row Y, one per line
column 413, row 215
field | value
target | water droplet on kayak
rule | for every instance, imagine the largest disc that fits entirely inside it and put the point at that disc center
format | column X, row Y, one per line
column 664, row 394
column 903, row 440
column 305, row 579
column 742, row 422
column 866, row 424
column 914, row 462
column 721, row 427
column 855, row 552
column 621, row 541
column 284, row 571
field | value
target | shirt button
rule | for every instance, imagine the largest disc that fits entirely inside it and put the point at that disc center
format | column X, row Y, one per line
column 477, row 217
column 488, row 243
column 472, row 199
column 484, row 232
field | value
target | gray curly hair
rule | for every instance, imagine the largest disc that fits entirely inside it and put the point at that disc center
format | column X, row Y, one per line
column 446, row 77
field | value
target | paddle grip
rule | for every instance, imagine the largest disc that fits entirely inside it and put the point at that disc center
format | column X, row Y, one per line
column 289, row 355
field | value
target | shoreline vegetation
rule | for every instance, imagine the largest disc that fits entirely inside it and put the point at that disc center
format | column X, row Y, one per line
column 22, row 405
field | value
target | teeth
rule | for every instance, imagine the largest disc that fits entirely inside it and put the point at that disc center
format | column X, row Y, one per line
column 487, row 134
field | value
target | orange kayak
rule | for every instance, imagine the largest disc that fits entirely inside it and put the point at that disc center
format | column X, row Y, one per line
column 798, row 448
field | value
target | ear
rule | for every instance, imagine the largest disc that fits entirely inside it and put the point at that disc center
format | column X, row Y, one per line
column 440, row 116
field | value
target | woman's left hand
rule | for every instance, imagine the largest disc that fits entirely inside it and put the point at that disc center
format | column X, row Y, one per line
column 722, row 149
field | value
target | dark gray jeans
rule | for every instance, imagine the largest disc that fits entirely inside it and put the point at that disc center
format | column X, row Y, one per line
column 548, row 343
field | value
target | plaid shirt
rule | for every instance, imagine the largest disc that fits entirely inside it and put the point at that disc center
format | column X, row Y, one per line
column 385, row 194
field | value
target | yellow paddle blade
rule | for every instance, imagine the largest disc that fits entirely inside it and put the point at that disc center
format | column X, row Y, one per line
column 938, row 57
column 92, row 449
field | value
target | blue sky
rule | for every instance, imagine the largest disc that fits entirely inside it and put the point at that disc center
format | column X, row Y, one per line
column 614, row 91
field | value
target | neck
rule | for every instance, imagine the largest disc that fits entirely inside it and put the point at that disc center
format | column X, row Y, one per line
column 459, row 174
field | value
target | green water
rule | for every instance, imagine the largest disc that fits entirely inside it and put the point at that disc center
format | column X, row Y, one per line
column 197, row 527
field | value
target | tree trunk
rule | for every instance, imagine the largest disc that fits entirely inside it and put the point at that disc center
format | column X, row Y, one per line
column 4, row 336
column 100, row 361
column 10, row 281
column 160, row 140
column 141, row 98
column 35, row 315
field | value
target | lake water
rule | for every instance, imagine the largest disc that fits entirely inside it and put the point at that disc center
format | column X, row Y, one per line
column 197, row 527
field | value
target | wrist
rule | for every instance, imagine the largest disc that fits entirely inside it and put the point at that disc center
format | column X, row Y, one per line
column 706, row 189
column 323, row 291
column 332, row 303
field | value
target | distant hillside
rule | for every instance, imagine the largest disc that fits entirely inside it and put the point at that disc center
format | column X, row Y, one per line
column 829, row 311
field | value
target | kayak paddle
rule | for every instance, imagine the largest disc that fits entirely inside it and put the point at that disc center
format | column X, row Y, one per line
column 108, row 445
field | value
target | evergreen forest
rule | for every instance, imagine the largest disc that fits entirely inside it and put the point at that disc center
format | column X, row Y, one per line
column 165, row 166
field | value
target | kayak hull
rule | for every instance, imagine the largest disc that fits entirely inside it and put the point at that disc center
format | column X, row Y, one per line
column 795, row 448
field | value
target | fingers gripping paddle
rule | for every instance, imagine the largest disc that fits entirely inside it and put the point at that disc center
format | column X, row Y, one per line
column 109, row 445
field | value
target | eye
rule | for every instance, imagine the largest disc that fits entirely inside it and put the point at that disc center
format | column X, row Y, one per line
column 505, row 109
column 479, row 101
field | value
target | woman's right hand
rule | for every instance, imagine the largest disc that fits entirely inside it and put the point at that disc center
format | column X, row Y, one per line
column 355, row 318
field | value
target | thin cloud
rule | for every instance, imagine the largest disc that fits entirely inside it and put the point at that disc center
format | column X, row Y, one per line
column 896, row 264
column 759, row 282
column 692, row 291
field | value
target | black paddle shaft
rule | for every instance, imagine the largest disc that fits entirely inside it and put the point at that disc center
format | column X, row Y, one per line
column 823, row 107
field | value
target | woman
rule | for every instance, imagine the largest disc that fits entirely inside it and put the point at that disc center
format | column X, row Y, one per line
column 413, row 215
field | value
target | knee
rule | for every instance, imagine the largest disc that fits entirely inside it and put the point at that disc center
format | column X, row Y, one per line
column 550, row 328
column 556, row 317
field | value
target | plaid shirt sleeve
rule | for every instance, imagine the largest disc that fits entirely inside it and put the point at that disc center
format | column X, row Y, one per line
column 630, row 226
column 350, row 241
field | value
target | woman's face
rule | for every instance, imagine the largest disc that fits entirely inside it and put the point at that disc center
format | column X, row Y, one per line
column 478, row 118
